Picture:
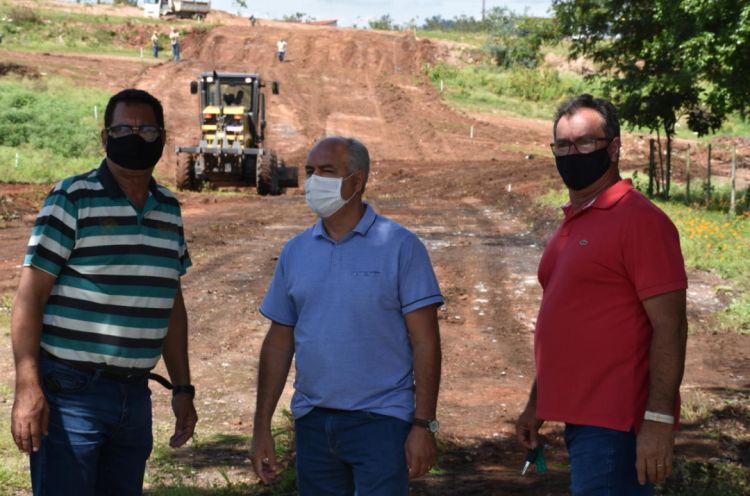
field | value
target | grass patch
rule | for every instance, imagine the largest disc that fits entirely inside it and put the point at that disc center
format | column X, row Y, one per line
column 216, row 457
column 47, row 129
column 476, row 40
column 692, row 478
column 14, row 465
column 6, row 303
column 520, row 91
column 49, row 30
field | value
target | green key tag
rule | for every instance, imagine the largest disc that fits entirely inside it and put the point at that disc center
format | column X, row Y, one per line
column 541, row 464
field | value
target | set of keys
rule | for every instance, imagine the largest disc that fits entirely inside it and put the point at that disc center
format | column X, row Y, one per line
column 535, row 457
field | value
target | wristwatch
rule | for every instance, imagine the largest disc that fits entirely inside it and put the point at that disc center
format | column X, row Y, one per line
column 183, row 389
column 431, row 425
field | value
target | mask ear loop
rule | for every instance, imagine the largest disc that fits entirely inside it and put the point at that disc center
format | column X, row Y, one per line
column 342, row 185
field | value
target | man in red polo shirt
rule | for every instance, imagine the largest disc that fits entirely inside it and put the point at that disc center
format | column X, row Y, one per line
column 612, row 328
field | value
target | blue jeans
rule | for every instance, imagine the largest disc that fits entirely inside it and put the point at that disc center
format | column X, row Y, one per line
column 340, row 452
column 281, row 56
column 99, row 434
column 176, row 51
column 155, row 51
column 602, row 462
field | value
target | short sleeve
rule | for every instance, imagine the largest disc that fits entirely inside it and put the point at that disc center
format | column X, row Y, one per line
column 417, row 284
column 53, row 236
column 185, row 261
column 652, row 255
column 277, row 304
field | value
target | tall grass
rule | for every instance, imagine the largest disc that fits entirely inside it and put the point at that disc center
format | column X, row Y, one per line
column 520, row 90
column 47, row 129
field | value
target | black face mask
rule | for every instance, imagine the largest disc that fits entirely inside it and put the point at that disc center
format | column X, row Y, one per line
column 134, row 152
column 582, row 169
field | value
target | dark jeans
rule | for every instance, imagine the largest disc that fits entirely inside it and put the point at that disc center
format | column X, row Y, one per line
column 339, row 452
column 281, row 56
column 99, row 434
column 602, row 462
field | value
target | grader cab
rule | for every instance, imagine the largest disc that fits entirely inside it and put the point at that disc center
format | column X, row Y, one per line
column 230, row 151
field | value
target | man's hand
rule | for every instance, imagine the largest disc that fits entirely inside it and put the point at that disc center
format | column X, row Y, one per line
column 421, row 451
column 185, row 420
column 527, row 428
column 29, row 418
column 263, row 456
column 654, row 451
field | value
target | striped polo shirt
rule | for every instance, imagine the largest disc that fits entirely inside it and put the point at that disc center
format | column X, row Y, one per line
column 117, row 270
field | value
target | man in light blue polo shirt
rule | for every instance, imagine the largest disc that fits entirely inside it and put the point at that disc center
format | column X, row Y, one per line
column 355, row 297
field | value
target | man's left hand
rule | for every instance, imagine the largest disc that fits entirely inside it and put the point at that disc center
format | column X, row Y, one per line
column 421, row 451
column 185, row 420
column 654, row 452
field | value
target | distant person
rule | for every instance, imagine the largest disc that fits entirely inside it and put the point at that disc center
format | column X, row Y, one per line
column 281, row 50
column 612, row 328
column 155, row 44
column 253, row 20
column 98, row 303
column 354, row 298
column 174, row 39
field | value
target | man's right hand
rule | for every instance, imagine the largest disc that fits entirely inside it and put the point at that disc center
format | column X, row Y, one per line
column 29, row 418
column 263, row 456
column 527, row 428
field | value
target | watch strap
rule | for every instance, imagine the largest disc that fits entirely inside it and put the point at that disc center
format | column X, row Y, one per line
column 183, row 389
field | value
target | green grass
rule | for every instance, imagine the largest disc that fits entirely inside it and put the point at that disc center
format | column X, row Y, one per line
column 692, row 478
column 476, row 40
column 47, row 129
column 49, row 30
column 519, row 91
column 14, row 465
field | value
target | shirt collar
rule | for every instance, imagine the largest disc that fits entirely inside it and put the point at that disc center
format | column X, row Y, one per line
column 606, row 199
column 364, row 224
column 109, row 183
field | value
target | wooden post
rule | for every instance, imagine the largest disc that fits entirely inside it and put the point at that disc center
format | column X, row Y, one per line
column 651, row 167
column 733, row 197
column 708, row 178
column 687, row 174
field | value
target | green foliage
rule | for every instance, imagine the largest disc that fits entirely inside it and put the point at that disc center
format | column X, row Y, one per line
column 530, row 92
column 661, row 59
column 14, row 465
column 384, row 23
column 691, row 478
column 47, row 129
column 296, row 17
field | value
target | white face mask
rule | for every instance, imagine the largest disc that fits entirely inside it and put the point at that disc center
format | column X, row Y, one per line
column 323, row 194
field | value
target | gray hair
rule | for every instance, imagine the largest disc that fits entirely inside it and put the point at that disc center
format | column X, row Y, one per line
column 359, row 157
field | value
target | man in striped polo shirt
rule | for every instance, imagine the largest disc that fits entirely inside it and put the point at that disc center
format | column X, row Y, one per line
column 98, row 302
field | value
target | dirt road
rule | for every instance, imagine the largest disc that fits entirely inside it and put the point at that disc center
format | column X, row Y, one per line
column 470, row 200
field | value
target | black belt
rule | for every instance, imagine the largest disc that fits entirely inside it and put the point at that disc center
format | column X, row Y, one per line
column 110, row 373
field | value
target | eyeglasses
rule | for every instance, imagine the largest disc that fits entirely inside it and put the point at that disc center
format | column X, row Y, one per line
column 148, row 133
column 587, row 144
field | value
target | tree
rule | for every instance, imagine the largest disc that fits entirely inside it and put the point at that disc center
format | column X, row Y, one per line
column 660, row 60
column 384, row 22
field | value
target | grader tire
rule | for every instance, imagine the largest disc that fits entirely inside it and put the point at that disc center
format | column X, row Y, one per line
column 267, row 171
column 185, row 174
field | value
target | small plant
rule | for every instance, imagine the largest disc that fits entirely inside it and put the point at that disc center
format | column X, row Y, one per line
column 691, row 478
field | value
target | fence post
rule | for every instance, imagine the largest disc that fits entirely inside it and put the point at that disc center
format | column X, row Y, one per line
column 96, row 113
column 687, row 174
column 708, row 178
column 651, row 167
column 733, row 197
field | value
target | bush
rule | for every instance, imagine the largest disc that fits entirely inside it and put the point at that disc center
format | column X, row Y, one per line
column 48, row 129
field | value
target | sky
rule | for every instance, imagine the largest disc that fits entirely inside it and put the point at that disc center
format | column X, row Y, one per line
column 359, row 12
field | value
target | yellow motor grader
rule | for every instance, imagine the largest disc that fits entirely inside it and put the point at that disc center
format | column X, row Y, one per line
column 230, row 150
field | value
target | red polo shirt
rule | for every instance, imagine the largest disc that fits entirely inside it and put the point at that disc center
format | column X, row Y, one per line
column 593, row 335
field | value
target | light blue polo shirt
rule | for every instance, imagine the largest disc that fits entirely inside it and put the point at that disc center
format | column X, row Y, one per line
column 346, row 301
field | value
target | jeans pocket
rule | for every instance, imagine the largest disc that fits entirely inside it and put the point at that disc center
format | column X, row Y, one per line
column 58, row 381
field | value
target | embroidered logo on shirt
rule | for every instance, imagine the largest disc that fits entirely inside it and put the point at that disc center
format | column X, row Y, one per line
column 366, row 273
column 583, row 242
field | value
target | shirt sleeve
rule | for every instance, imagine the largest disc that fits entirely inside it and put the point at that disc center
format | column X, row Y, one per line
column 652, row 255
column 185, row 261
column 417, row 284
column 53, row 236
column 277, row 304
